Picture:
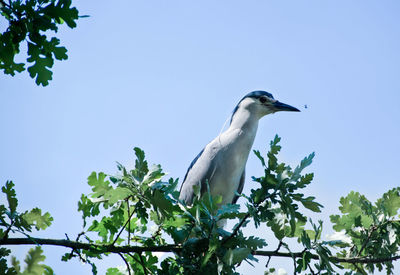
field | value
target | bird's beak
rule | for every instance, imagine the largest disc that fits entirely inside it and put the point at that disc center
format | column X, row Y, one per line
column 279, row 106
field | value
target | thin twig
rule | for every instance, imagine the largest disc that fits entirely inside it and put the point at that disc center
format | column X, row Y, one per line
column 373, row 228
column 122, row 229
column 359, row 269
column 292, row 255
column 80, row 235
column 71, row 254
column 143, row 265
column 311, row 270
column 279, row 246
column 188, row 235
column 141, row 262
column 269, row 259
column 129, row 224
column 236, row 229
column 126, row 263
column 276, row 250
column 8, row 230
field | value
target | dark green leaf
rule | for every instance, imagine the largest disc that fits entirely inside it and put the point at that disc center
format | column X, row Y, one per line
column 237, row 255
column 9, row 190
column 312, row 205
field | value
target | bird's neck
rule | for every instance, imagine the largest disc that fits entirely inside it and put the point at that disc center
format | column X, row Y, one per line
column 246, row 121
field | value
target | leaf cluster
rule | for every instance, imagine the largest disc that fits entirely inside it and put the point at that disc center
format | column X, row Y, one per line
column 12, row 221
column 277, row 200
column 32, row 21
column 142, row 209
column 373, row 229
column 132, row 207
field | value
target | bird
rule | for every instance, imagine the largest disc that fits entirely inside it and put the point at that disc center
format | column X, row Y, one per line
column 222, row 162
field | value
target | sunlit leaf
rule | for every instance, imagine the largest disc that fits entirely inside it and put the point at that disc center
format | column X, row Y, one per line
column 35, row 217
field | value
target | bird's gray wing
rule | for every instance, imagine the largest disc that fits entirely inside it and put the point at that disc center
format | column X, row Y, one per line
column 240, row 187
column 198, row 172
column 190, row 167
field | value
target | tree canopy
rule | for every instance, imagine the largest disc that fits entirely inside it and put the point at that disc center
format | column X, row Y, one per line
column 136, row 213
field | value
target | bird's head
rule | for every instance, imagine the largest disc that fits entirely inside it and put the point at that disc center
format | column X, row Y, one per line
column 261, row 103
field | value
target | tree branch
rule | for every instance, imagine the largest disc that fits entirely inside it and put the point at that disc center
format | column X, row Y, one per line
column 360, row 260
column 174, row 248
column 89, row 246
column 236, row 229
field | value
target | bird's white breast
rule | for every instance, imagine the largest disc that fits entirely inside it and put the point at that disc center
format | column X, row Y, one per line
column 232, row 150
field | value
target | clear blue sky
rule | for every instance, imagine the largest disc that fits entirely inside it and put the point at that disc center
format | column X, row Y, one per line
column 165, row 75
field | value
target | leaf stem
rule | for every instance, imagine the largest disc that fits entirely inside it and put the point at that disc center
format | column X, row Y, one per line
column 143, row 265
column 371, row 231
column 129, row 224
column 122, row 229
column 126, row 263
column 8, row 230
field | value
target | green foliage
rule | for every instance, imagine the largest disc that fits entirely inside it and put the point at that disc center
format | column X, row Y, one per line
column 33, row 263
column 276, row 201
column 136, row 208
column 114, row 271
column 14, row 221
column 4, row 252
column 8, row 189
column 35, row 218
column 128, row 202
column 373, row 228
column 32, row 21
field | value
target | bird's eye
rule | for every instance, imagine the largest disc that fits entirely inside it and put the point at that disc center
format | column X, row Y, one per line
column 263, row 99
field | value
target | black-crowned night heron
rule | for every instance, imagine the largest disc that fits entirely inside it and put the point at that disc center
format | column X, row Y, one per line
column 222, row 162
